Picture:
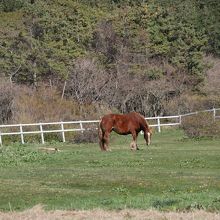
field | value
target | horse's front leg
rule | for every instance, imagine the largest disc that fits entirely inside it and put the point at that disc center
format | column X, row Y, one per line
column 133, row 144
column 147, row 136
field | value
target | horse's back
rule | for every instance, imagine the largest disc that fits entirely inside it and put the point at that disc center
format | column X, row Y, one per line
column 112, row 118
column 132, row 116
column 123, row 123
column 136, row 117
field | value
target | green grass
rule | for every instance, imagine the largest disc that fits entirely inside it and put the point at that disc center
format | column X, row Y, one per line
column 171, row 174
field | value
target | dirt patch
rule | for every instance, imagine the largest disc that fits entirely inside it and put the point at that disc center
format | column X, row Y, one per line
column 38, row 213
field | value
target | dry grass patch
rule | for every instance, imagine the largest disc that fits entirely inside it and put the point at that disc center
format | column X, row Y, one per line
column 38, row 213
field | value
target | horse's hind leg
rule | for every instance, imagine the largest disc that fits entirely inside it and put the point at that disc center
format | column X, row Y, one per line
column 101, row 144
column 101, row 139
column 106, row 140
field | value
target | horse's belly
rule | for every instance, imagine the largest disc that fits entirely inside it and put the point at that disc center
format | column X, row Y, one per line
column 122, row 132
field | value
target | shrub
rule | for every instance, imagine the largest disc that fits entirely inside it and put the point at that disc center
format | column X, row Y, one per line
column 6, row 101
column 11, row 5
column 89, row 136
column 201, row 125
column 189, row 102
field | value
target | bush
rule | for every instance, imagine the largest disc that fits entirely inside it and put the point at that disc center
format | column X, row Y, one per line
column 89, row 136
column 201, row 125
column 11, row 5
column 6, row 101
column 189, row 102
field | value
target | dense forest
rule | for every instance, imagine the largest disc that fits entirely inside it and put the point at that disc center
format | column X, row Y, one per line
column 69, row 59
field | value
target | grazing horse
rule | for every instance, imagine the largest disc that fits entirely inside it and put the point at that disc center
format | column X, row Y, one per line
column 131, row 123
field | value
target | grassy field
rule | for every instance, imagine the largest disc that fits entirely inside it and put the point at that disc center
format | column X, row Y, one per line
column 171, row 174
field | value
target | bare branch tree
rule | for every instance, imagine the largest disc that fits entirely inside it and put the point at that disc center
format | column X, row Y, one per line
column 87, row 82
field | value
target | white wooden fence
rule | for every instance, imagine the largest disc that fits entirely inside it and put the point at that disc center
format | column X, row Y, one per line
column 21, row 129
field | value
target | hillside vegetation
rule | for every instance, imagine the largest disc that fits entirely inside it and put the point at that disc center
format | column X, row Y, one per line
column 80, row 58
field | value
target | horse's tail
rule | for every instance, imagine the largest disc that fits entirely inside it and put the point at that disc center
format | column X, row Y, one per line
column 101, row 134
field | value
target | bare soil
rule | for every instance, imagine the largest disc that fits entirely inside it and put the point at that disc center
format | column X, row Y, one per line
column 38, row 213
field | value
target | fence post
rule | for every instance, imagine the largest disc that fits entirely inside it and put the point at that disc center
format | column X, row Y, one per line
column 22, row 135
column 63, row 133
column 42, row 133
column 81, row 126
column 158, row 124
column 180, row 119
column 214, row 113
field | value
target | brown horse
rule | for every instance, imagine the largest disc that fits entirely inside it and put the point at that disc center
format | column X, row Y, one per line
column 131, row 123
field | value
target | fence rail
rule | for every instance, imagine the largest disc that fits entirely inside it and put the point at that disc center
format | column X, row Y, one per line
column 81, row 128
